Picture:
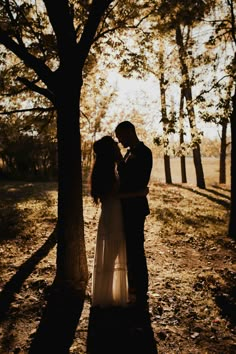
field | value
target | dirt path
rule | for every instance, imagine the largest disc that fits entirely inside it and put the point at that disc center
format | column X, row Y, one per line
column 191, row 265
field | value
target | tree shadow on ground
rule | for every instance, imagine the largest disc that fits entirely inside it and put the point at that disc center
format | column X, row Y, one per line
column 120, row 330
column 14, row 284
column 203, row 193
column 225, row 296
column 61, row 314
column 58, row 324
column 221, row 187
column 222, row 195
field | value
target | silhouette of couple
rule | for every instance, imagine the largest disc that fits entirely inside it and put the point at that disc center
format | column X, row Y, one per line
column 120, row 185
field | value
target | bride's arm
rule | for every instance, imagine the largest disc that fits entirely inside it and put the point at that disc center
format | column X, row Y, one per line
column 140, row 193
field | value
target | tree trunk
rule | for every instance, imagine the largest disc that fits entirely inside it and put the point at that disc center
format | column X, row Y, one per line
column 164, row 118
column 187, row 90
column 72, row 269
column 232, row 219
column 183, row 169
column 60, row 317
column 198, row 166
column 181, row 137
column 222, row 177
column 167, row 169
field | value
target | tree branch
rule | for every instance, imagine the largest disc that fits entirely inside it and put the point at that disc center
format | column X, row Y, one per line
column 31, row 61
column 35, row 109
column 96, row 12
column 35, row 88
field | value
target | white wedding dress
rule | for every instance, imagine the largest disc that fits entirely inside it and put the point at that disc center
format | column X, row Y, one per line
column 109, row 278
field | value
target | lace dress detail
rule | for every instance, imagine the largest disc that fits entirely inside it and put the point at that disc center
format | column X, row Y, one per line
column 109, row 279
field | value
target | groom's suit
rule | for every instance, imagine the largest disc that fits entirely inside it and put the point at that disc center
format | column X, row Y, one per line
column 134, row 172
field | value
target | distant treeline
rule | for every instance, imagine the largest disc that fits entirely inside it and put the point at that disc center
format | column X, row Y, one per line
column 35, row 157
column 30, row 158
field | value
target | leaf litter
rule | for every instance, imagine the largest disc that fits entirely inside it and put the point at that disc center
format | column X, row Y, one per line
column 191, row 263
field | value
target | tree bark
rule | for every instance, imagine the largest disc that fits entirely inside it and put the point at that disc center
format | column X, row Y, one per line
column 222, row 177
column 186, row 85
column 164, row 118
column 72, row 269
column 181, row 138
column 167, row 169
column 232, row 219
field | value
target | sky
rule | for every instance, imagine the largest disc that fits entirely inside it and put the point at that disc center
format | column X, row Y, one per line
column 143, row 96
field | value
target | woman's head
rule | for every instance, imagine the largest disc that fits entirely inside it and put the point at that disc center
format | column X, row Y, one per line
column 103, row 172
column 105, row 148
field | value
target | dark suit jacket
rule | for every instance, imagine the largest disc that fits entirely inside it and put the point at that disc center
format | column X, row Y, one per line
column 134, row 172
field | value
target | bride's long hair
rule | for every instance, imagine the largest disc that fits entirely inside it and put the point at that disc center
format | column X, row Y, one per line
column 103, row 175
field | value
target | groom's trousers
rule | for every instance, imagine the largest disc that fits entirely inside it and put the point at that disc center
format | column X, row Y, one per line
column 136, row 258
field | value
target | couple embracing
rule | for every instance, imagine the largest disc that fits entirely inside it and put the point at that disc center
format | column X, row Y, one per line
column 120, row 185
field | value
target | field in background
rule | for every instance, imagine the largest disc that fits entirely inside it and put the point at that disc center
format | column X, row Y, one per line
column 210, row 169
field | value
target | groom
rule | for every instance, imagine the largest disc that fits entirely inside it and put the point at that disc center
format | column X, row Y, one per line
column 134, row 171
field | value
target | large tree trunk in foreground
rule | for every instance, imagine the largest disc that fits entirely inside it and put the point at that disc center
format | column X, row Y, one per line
column 60, row 318
column 232, row 220
column 72, row 269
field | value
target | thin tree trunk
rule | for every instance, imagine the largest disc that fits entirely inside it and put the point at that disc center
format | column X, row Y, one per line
column 164, row 117
column 187, row 90
column 167, row 169
column 222, row 177
column 181, row 138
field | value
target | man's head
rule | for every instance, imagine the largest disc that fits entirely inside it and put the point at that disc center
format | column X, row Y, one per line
column 126, row 134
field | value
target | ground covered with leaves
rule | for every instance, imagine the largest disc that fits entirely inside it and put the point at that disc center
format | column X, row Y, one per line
column 191, row 263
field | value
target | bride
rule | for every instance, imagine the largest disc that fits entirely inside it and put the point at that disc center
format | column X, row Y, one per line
column 109, row 277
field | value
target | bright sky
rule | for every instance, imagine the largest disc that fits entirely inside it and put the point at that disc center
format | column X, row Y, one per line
column 143, row 96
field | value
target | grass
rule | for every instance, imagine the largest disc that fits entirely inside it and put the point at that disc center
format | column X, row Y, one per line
column 210, row 170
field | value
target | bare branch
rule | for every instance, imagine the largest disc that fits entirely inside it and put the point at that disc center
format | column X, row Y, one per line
column 35, row 88
column 35, row 109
